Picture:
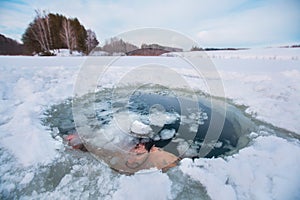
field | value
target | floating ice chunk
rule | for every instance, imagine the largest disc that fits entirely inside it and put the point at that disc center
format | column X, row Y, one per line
column 123, row 120
column 177, row 140
column 156, row 138
column 171, row 117
column 191, row 152
column 204, row 116
column 194, row 128
column 182, row 147
column 140, row 129
column 218, row 144
column 185, row 120
column 158, row 118
column 167, row 134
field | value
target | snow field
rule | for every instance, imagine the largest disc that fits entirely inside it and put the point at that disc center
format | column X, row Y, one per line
column 267, row 169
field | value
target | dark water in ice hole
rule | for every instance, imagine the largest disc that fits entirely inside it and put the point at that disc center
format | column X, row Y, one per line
column 236, row 124
column 142, row 102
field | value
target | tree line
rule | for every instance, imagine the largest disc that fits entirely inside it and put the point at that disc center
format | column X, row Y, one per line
column 11, row 47
column 50, row 31
column 117, row 45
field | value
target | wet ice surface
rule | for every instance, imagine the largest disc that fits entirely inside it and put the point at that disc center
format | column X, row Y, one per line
column 74, row 175
column 267, row 168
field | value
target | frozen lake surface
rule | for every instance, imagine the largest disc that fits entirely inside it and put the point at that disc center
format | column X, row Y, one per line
column 258, row 84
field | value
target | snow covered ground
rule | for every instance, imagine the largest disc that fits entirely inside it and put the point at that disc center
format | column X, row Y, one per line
column 34, row 165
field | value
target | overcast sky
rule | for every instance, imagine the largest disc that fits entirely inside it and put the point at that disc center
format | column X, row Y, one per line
column 211, row 23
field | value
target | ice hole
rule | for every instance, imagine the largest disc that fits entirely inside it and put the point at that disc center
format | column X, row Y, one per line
column 159, row 114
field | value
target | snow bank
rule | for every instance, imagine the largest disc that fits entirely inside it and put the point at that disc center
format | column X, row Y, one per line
column 66, row 52
column 269, row 89
column 264, row 170
column 24, row 94
column 150, row 184
column 99, row 53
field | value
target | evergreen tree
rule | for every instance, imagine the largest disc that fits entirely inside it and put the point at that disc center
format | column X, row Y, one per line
column 80, row 34
column 56, row 22
column 54, row 31
column 91, row 40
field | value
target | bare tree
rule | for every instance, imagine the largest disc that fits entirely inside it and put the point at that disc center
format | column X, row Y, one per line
column 118, row 45
column 91, row 40
column 41, row 30
column 48, row 29
column 68, row 35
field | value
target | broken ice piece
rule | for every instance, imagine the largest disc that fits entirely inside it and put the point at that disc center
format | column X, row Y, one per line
column 141, row 130
column 167, row 134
